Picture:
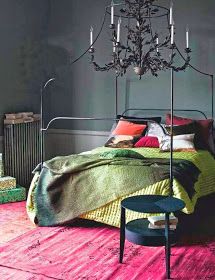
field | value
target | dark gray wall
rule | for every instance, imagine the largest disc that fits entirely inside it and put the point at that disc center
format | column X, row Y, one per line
column 39, row 38
column 23, row 27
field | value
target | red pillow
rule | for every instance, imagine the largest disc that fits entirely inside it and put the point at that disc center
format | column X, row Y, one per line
column 147, row 141
column 129, row 128
column 177, row 120
column 205, row 128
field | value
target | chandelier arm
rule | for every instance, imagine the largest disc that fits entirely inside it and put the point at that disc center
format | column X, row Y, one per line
column 150, row 27
column 193, row 67
column 96, row 38
column 109, row 66
column 127, row 45
column 164, row 65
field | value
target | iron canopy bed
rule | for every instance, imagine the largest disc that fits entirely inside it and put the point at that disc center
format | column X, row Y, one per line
column 112, row 173
column 107, row 210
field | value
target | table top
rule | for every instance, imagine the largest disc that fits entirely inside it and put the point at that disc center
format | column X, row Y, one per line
column 152, row 204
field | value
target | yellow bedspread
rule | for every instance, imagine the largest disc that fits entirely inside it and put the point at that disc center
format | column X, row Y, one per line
column 110, row 213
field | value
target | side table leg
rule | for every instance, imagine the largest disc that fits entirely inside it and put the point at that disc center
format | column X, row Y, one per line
column 167, row 247
column 122, row 234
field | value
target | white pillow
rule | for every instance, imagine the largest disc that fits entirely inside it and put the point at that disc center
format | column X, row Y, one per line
column 180, row 142
column 156, row 130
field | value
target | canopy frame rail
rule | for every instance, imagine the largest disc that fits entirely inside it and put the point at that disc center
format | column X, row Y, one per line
column 163, row 110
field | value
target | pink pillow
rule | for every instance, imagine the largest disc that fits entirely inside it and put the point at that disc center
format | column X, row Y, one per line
column 177, row 120
column 147, row 141
column 129, row 128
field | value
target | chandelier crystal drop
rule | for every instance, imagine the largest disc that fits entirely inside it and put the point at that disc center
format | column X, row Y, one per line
column 136, row 41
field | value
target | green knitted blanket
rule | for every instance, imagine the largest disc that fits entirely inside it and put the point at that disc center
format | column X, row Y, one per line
column 72, row 185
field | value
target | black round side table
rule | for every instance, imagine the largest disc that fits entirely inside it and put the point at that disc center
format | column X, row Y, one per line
column 137, row 231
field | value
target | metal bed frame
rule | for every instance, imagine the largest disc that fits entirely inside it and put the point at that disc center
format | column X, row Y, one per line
column 46, row 84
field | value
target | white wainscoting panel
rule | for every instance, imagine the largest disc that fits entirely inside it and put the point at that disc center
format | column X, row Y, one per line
column 66, row 142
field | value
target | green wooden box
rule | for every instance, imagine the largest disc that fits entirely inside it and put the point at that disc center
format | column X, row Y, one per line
column 12, row 195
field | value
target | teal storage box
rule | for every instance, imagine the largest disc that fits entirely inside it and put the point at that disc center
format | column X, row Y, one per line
column 13, row 195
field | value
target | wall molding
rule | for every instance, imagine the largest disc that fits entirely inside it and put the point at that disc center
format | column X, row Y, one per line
column 66, row 141
column 77, row 132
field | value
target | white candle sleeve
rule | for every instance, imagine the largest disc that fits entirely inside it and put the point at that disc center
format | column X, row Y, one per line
column 112, row 12
column 114, row 47
column 91, row 36
column 172, row 34
column 157, row 42
column 118, row 30
column 171, row 13
column 187, row 38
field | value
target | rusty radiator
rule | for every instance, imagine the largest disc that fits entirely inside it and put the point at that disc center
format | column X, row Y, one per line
column 21, row 151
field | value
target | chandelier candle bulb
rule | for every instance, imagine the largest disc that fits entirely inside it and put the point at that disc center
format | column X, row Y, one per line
column 118, row 29
column 157, row 42
column 187, row 37
column 91, row 36
column 172, row 34
column 114, row 48
column 112, row 12
column 171, row 13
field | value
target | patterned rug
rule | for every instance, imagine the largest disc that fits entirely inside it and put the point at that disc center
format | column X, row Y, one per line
column 91, row 252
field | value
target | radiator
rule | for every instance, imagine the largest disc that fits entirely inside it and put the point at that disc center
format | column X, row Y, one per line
column 21, row 151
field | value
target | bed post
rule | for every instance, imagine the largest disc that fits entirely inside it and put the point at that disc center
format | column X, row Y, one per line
column 116, row 96
column 42, row 139
column 212, row 96
column 171, row 133
column 212, row 105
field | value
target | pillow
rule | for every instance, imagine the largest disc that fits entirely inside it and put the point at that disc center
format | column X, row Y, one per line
column 129, row 128
column 121, row 141
column 180, row 143
column 112, row 129
column 147, row 141
column 182, row 129
column 155, row 130
column 140, row 120
column 204, row 125
column 177, row 120
column 204, row 128
column 190, row 128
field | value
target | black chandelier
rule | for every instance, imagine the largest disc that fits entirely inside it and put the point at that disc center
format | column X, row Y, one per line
column 143, row 48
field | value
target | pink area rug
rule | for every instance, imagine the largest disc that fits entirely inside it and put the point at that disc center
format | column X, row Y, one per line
column 91, row 253
column 13, row 221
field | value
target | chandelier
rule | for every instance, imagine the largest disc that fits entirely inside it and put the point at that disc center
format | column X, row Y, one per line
column 135, row 40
